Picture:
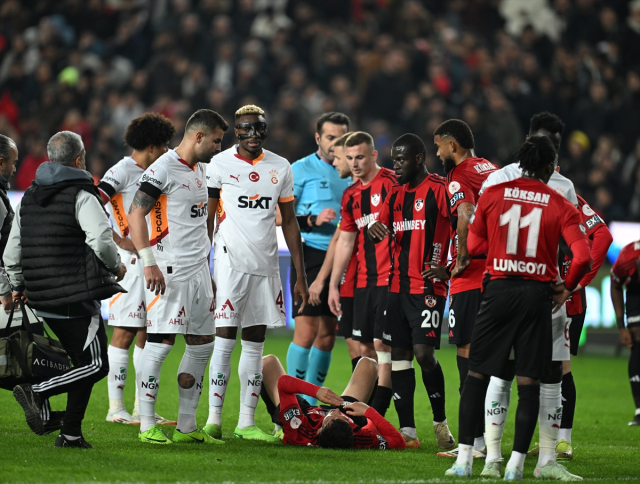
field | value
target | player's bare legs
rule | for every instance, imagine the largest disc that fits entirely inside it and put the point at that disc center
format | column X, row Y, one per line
column 362, row 380
column 381, row 353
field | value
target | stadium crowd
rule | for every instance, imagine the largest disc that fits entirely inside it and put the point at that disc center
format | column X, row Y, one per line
column 392, row 67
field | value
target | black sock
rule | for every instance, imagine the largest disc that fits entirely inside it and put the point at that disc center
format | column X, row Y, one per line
column 634, row 373
column 526, row 416
column 271, row 408
column 568, row 401
column 404, row 388
column 382, row 399
column 354, row 362
column 463, row 370
column 434, row 383
column 471, row 408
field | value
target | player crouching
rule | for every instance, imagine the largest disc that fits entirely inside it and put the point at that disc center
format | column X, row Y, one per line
column 346, row 423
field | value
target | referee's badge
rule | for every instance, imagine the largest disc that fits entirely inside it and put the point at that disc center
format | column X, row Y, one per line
column 375, row 199
column 430, row 301
column 419, row 204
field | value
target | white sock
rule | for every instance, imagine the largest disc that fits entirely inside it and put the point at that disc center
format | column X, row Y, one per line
column 565, row 434
column 549, row 419
column 436, row 423
column 219, row 372
column 517, row 460
column 150, row 365
column 137, row 352
column 191, row 374
column 117, row 377
column 410, row 431
column 637, row 411
column 250, row 372
column 465, row 454
column 496, row 405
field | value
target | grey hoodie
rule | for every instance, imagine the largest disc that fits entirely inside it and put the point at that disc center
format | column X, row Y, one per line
column 93, row 220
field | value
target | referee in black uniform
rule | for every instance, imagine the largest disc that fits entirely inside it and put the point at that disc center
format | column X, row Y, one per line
column 64, row 269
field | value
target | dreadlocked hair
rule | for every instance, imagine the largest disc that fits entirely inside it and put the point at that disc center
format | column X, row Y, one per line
column 535, row 153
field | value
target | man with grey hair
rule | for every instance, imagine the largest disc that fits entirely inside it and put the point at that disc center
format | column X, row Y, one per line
column 64, row 270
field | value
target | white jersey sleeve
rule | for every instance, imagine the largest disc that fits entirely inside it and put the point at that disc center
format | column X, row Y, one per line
column 286, row 193
column 158, row 177
column 564, row 187
column 214, row 180
column 508, row 173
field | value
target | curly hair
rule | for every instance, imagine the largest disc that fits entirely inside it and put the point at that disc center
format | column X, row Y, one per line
column 458, row 130
column 546, row 120
column 149, row 129
column 248, row 110
column 535, row 154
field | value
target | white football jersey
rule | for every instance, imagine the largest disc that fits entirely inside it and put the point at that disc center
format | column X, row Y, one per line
column 246, row 218
column 178, row 221
column 124, row 180
column 559, row 183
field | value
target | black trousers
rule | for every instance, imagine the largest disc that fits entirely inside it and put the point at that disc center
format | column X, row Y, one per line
column 85, row 340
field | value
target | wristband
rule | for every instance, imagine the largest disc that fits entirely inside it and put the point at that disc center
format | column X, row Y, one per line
column 146, row 254
column 620, row 322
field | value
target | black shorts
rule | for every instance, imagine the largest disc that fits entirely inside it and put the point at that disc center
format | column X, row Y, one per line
column 313, row 259
column 463, row 311
column 575, row 330
column 370, row 304
column 345, row 322
column 413, row 319
column 513, row 314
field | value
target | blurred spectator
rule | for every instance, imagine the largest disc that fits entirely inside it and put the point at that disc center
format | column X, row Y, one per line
column 393, row 67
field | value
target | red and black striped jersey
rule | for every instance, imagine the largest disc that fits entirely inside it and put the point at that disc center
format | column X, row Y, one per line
column 348, row 284
column 463, row 185
column 599, row 241
column 419, row 221
column 301, row 425
column 361, row 205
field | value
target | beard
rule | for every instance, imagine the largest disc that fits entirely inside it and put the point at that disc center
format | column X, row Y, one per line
column 449, row 164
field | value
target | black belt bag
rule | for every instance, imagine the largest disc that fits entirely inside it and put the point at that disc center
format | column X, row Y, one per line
column 28, row 357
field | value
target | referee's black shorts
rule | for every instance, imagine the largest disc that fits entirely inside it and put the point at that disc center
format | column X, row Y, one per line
column 313, row 259
column 513, row 314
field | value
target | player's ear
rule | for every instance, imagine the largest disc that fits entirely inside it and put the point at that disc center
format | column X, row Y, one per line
column 318, row 139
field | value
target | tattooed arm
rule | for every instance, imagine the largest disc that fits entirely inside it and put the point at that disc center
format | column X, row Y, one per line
column 140, row 207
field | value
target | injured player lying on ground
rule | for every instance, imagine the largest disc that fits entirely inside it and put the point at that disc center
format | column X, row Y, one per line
column 345, row 423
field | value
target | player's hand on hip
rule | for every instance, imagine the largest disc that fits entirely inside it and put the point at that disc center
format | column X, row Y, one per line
column 155, row 279
column 127, row 244
column 560, row 295
column 326, row 216
column 356, row 409
column 328, row 396
column 435, row 271
column 334, row 301
column 122, row 270
column 7, row 302
column 378, row 232
column 315, row 289
column 625, row 337
column 300, row 290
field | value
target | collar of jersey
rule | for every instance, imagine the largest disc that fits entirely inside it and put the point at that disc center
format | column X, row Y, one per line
column 187, row 164
column 251, row 162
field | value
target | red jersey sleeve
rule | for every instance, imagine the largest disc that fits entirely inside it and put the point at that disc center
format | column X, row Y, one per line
column 388, row 433
column 347, row 223
column 625, row 266
column 571, row 227
column 460, row 190
column 477, row 241
column 602, row 239
column 293, row 420
column 384, row 216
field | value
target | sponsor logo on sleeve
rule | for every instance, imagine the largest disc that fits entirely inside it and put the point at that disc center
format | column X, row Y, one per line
column 456, row 198
column 150, row 179
column 582, row 229
column 593, row 221
column 290, row 414
column 587, row 210
column 454, row 187
column 382, row 442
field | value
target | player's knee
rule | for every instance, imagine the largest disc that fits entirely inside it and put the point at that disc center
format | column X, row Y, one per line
column 186, row 380
column 255, row 334
column 379, row 345
column 427, row 360
column 368, row 364
column 336, row 434
column 268, row 362
column 398, row 354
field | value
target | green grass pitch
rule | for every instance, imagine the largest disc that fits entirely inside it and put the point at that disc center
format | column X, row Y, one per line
column 605, row 448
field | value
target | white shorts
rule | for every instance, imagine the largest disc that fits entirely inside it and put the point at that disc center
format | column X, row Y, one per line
column 244, row 300
column 560, row 335
column 186, row 307
column 129, row 309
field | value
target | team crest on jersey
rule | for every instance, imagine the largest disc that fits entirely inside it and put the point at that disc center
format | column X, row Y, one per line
column 274, row 177
column 430, row 301
column 419, row 204
column 587, row 210
column 254, row 177
column 375, row 199
column 198, row 182
column 454, row 186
